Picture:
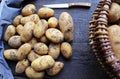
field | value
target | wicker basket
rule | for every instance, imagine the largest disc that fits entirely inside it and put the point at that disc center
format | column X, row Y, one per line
column 99, row 39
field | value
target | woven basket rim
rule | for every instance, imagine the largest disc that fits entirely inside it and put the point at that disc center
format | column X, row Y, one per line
column 100, row 41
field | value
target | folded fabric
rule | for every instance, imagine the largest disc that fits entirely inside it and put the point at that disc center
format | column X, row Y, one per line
column 8, row 10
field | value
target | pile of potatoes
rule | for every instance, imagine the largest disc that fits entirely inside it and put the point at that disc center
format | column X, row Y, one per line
column 37, row 39
column 114, row 28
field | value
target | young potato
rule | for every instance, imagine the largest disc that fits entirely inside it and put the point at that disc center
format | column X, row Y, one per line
column 54, row 50
column 52, row 22
column 114, row 36
column 44, row 39
column 114, row 12
column 28, row 10
column 45, row 12
column 32, row 56
column 58, row 66
column 42, row 63
column 41, row 48
column 40, row 28
column 23, row 51
column 15, row 41
column 17, row 19
column 32, row 42
column 24, row 20
column 19, row 29
column 54, row 35
column 10, row 31
column 21, row 66
column 66, row 26
column 66, row 50
column 32, row 74
column 35, row 18
column 10, row 54
column 27, row 31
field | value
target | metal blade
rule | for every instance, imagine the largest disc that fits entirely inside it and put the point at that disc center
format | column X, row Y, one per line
column 57, row 5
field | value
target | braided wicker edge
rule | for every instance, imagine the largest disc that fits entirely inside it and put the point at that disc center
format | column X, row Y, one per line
column 99, row 40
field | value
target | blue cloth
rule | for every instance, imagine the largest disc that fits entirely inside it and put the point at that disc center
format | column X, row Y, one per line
column 8, row 10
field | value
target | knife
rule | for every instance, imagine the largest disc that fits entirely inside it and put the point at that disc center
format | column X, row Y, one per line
column 68, row 5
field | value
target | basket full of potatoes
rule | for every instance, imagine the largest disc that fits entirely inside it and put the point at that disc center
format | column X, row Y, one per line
column 104, row 36
column 36, row 40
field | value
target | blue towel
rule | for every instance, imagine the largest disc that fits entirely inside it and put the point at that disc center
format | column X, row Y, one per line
column 8, row 10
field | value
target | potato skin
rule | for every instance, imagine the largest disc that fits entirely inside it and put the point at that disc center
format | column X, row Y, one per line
column 32, row 42
column 54, row 35
column 114, row 12
column 52, row 22
column 10, row 31
column 21, row 66
column 32, row 56
column 66, row 50
column 114, row 36
column 11, row 54
column 23, row 51
column 66, row 26
column 41, row 48
column 27, row 31
column 35, row 18
column 42, row 63
column 58, row 66
column 15, row 41
column 19, row 29
column 40, row 28
column 32, row 74
column 28, row 10
column 24, row 20
column 45, row 12
column 44, row 39
column 54, row 50
column 17, row 19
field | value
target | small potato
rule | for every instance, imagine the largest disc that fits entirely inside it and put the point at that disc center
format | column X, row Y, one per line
column 35, row 18
column 27, row 31
column 114, row 36
column 66, row 50
column 10, row 31
column 32, row 56
column 32, row 74
column 45, row 24
column 23, row 51
column 54, row 35
column 10, row 54
column 114, row 12
column 54, row 50
column 24, row 20
column 40, row 28
column 21, row 66
column 15, row 41
column 19, row 29
column 28, row 10
column 42, row 63
column 41, row 48
column 58, row 66
column 66, row 26
column 45, row 12
column 52, row 22
column 32, row 42
column 44, row 39
column 17, row 20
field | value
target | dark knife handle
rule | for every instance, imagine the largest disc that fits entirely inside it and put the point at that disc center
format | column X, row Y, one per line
column 80, row 4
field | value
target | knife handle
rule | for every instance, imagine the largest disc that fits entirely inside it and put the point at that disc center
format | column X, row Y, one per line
column 80, row 4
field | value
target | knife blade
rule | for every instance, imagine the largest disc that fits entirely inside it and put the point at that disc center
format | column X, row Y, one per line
column 68, row 5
